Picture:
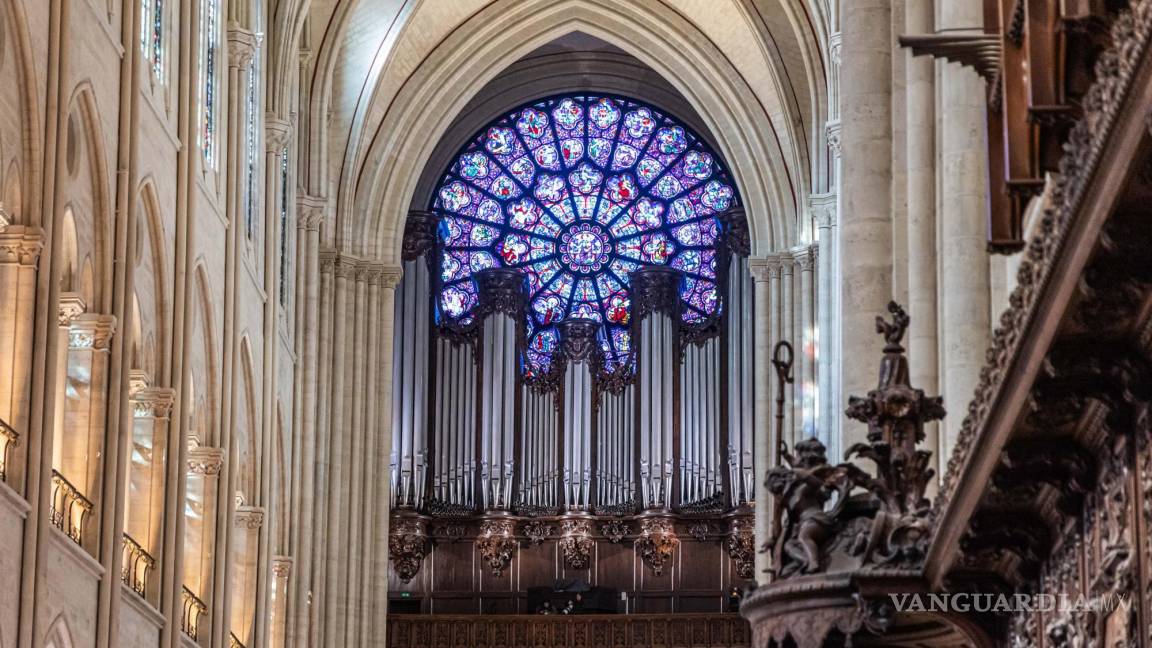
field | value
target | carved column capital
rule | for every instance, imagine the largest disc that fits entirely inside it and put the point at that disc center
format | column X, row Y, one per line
column 823, row 209
column 764, row 269
column 345, row 266
column 282, row 566
column 153, row 402
column 277, row 132
column 327, row 261
column 832, row 134
column 20, row 245
column 241, row 46
column 71, row 305
column 310, row 211
column 248, row 517
column 419, row 234
column 805, row 257
column 92, row 331
column 204, row 460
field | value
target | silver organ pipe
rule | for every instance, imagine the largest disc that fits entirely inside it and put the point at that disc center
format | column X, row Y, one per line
column 498, row 420
column 578, row 346
column 740, row 372
column 409, row 384
column 615, row 424
column 655, row 306
column 538, row 455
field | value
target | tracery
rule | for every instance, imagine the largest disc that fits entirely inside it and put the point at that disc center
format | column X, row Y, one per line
column 578, row 192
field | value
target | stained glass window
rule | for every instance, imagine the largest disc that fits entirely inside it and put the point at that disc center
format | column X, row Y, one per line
column 152, row 35
column 209, row 45
column 577, row 192
column 284, row 260
column 251, row 141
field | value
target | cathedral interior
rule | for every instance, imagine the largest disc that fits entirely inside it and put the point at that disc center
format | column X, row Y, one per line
column 560, row 323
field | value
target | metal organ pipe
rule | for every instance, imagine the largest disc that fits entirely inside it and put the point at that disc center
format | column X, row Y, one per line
column 740, row 372
column 410, row 378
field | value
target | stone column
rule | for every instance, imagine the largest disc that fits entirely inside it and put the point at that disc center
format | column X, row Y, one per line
column 310, row 214
column 389, row 279
column 789, row 333
column 278, row 609
column 762, row 277
column 827, row 413
column 805, row 260
column 963, row 185
column 20, row 248
column 921, row 175
column 865, row 248
column 82, row 449
column 144, row 510
column 246, row 523
column 202, row 501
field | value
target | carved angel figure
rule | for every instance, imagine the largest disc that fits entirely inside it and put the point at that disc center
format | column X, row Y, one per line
column 799, row 541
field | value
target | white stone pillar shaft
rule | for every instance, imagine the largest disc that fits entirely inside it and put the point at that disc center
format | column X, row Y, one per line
column 762, row 408
column 964, row 266
column 865, row 248
column 921, row 176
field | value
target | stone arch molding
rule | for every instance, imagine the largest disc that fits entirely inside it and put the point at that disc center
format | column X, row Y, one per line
column 495, row 38
column 59, row 635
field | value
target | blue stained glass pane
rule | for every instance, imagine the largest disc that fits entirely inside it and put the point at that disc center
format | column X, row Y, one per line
column 577, row 192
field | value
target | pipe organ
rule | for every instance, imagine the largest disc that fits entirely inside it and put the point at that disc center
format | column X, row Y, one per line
column 669, row 431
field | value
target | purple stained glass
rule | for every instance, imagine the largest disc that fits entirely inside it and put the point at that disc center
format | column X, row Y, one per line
column 577, row 192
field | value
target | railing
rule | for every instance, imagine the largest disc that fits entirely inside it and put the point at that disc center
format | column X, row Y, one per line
column 8, row 440
column 563, row 630
column 192, row 612
column 70, row 508
column 234, row 642
column 136, row 564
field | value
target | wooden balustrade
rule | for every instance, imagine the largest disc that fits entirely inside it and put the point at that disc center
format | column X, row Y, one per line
column 70, row 509
column 562, row 631
column 8, row 440
column 193, row 610
column 136, row 565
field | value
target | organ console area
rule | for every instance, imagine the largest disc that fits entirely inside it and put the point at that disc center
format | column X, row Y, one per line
column 633, row 474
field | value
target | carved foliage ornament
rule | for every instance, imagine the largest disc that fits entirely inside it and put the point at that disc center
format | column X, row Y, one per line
column 407, row 545
column 576, row 543
column 419, row 234
column 615, row 530
column 496, row 544
column 655, row 289
column 536, row 531
column 741, row 545
column 657, row 543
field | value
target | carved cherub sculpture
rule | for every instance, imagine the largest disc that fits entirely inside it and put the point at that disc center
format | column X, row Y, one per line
column 801, row 527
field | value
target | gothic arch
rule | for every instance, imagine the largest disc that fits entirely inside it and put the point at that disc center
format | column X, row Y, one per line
column 15, row 27
column 493, row 39
column 246, row 431
column 149, row 279
column 86, row 188
column 203, row 414
column 59, row 635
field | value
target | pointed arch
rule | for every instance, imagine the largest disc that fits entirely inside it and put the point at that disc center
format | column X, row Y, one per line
column 59, row 634
column 29, row 115
column 202, row 365
column 150, row 274
column 246, row 430
column 89, row 191
column 374, row 202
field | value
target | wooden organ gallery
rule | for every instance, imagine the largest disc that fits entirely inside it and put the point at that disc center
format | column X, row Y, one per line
column 554, row 423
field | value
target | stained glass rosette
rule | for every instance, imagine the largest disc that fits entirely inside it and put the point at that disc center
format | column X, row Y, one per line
column 577, row 192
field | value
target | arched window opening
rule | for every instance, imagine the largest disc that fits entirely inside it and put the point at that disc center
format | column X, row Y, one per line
column 251, row 145
column 152, row 37
column 285, row 259
column 209, row 51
